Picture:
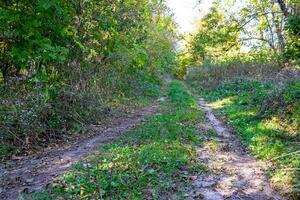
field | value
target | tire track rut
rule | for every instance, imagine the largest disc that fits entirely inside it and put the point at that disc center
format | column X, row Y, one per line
column 35, row 172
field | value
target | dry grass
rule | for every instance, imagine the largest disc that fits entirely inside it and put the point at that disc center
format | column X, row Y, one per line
column 213, row 75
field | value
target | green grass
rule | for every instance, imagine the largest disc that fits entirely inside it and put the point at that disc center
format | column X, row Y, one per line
column 6, row 150
column 145, row 163
column 267, row 119
column 212, row 146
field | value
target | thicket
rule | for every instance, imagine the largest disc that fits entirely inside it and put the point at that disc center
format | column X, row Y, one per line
column 65, row 64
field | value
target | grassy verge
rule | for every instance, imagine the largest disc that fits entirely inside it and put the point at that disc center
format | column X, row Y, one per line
column 266, row 117
column 148, row 163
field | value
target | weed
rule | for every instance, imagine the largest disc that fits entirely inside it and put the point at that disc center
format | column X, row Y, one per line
column 6, row 150
column 212, row 146
column 211, row 132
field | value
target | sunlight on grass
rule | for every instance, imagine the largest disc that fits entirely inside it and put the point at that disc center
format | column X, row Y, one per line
column 127, row 172
column 243, row 114
column 269, row 129
column 146, row 162
column 221, row 103
column 282, row 126
column 212, row 146
column 284, row 178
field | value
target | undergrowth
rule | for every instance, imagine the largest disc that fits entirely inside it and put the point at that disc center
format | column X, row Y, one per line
column 146, row 163
column 35, row 118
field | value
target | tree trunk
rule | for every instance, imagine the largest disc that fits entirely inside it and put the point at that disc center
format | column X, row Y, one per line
column 278, row 29
column 5, row 72
column 283, row 7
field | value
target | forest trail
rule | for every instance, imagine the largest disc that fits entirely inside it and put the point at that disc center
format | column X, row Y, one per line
column 35, row 172
column 233, row 173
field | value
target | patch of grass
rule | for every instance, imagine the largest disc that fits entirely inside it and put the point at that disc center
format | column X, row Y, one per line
column 38, row 196
column 144, row 164
column 6, row 151
column 267, row 119
column 180, row 97
column 211, row 132
column 126, row 172
column 174, row 126
column 212, row 146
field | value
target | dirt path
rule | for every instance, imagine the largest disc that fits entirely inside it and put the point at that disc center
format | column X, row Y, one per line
column 233, row 173
column 34, row 172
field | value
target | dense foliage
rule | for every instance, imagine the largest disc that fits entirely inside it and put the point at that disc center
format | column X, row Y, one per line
column 232, row 27
column 65, row 64
column 216, row 36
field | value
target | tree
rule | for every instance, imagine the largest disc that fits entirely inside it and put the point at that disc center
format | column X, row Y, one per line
column 255, row 24
column 35, row 34
column 216, row 36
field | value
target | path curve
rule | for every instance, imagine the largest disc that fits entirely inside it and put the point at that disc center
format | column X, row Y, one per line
column 233, row 173
column 35, row 172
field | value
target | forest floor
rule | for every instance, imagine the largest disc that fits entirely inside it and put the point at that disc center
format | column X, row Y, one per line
column 179, row 150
